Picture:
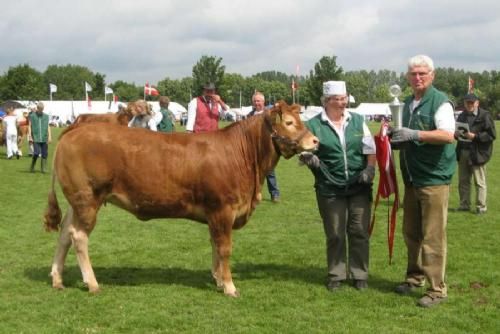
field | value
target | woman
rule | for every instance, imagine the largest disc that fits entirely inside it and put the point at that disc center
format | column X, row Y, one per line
column 343, row 167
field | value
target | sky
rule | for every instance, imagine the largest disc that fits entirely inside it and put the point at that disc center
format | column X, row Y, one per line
column 148, row 41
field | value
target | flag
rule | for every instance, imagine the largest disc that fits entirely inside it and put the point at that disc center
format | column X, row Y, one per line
column 115, row 98
column 470, row 89
column 88, row 88
column 387, row 183
column 52, row 88
column 150, row 90
column 295, row 85
column 108, row 90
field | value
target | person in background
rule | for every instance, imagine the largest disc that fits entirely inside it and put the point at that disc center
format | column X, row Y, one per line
column 40, row 135
column 144, row 117
column 167, row 123
column 344, row 168
column 428, row 161
column 10, row 128
column 474, row 149
column 204, row 111
column 258, row 103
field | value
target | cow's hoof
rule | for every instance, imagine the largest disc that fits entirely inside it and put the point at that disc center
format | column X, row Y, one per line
column 95, row 290
column 58, row 286
column 234, row 294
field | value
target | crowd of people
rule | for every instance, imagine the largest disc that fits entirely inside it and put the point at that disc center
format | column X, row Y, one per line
column 344, row 169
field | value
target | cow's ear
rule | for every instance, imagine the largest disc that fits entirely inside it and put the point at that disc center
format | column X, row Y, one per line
column 276, row 114
column 296, row 108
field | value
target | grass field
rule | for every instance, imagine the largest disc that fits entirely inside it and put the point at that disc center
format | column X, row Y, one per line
column 155, row 276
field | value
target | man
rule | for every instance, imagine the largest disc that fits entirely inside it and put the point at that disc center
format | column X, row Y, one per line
column 258, row 102
column 427, row 164
column 204, row 111
column 40, row 135
column 167, row 123
column 474, row 149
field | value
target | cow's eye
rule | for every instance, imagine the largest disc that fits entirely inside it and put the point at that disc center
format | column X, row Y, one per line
column 288, row 123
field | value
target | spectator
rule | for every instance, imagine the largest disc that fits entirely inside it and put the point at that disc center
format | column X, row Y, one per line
column 167, row 123
column 10, row 128
column 204, row 111
column 258, row 102
column 427, row 165
column 344, row 168
column 474, row 149
column 143, row 117
column 40, row 135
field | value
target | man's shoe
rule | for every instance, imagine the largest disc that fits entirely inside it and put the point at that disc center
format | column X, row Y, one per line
column 275, row 199
column 481, row 211
column 405, row 288
column 334, row 286
column 360, row 284
column 430, row 301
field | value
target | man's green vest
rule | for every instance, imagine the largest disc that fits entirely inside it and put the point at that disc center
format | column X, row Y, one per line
column 343, row 164
column 39, row 127
column 424, row 164
column 166, row 124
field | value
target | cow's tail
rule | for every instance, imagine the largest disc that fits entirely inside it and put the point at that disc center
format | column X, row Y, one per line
column 53, row 215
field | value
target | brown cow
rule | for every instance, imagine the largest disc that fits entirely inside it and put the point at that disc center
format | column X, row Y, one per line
column 122, row 117
column 213, row 178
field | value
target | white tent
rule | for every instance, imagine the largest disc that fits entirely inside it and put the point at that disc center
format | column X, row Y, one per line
column 69, row 110
column 373, row 109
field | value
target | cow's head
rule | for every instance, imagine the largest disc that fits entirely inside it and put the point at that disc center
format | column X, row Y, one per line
column 139, row 107
column 289, row 133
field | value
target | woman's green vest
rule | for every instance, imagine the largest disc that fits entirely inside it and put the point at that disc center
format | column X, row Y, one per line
column 341, row 166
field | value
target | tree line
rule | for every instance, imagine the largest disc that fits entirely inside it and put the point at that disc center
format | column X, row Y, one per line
column 22, row 82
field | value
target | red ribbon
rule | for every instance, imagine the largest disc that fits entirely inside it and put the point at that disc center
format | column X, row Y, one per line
column 387, row 183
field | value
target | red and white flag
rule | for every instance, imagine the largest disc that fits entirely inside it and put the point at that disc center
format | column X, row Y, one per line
column 470, row 89
column 295, row 85
column 150, row 90
column 388, row 183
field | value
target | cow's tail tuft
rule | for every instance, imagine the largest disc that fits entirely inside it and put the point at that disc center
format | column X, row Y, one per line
column 53, row 215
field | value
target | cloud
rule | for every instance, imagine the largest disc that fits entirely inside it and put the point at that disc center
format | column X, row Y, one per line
column 148, row 41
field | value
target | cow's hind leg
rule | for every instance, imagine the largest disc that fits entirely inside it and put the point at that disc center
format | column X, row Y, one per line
column 85, row 219
column 216, row 268
column 220, row 226
column 62, row 250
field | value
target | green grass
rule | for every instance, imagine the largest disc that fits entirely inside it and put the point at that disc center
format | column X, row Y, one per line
column 155, row 276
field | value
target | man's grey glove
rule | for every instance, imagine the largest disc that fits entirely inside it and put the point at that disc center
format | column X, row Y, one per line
column 309, row 159
column 403, row 135
column 367, row 175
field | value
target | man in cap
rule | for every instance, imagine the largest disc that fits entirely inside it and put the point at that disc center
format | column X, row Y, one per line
column 204, row 111
column 343, row 168
column 427, row 165
column 475, row 134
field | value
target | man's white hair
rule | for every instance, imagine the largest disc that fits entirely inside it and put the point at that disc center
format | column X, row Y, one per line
column 421, row 60
column 257, row 93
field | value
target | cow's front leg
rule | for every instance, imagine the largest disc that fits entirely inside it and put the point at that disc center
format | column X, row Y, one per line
column 220, row 232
